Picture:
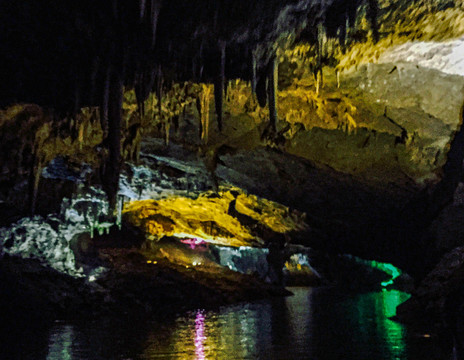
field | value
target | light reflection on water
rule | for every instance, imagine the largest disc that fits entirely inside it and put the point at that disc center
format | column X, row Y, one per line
column 200, row 335
column 313, row 324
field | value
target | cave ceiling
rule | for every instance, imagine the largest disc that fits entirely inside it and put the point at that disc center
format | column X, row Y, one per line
column 62, row 54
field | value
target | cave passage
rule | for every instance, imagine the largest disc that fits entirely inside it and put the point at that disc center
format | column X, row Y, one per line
column 160, row 158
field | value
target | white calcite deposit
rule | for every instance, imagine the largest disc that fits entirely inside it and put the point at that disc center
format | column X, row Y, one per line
column 447, row 56
column 36, row 238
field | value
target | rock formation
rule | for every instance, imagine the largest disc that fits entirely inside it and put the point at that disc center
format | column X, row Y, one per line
column 340, row 109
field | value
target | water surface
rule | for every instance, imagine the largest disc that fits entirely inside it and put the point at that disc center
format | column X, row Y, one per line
column 314, row 324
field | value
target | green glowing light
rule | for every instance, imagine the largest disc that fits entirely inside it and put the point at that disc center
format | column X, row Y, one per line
column 390, row 269
column 370, row 315
column 387, row 268
column 393, row 332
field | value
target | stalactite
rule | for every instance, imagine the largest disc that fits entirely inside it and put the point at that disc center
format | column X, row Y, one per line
column 194, row 68
column 342, row 34
column 110, row 179
column 318, row 73
column 34, row 182
column 253, row 71
column 80, row 136
column 227, row 90
column 372, row 14
column 155, row 10
column 142, row 9
column 200, row 125
column 201, row 71
column 204, row 112
column 219, row 85
column 176, row 118
column 200, row 57
column 93, row 78
column 140, row 94
column 167, row 129
column 272, row 92
column 115, row 9
column 38, row 160
column 261, row 89
column 151, row 79
column 159, row 87
column 131, row 143
column 318, row 81
column 76, row 94
column 72, row 128
column 105, row 103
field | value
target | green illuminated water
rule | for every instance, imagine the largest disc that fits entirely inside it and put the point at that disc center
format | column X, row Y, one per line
column 390, row 269
column 317, row 324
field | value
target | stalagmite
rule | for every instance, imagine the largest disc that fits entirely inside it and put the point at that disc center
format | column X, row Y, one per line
column 219, row 85
column 272, row 93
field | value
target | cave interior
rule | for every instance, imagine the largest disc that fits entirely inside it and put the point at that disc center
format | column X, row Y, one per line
column 231, row 135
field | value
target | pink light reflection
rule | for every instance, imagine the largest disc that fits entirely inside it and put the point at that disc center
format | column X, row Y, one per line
column 193, row 242
column 200, row 335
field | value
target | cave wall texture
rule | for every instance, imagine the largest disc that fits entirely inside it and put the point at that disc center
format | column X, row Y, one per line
column 70, row 55
column 66, row 56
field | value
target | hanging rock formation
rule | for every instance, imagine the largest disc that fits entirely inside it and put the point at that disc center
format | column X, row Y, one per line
column 89, row 50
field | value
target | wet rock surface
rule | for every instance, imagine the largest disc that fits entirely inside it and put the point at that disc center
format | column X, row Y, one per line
column 437, row 297
column 432, row 298
column 71, row 264
column 123, row 281
column 389, row 122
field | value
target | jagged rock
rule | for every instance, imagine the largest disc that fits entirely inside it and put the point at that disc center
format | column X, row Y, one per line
column 246, row 260
column 401, row 145
column 35, row 238
column 429, row 299
column 207, row 216
column 299, row 271
column 402, row 119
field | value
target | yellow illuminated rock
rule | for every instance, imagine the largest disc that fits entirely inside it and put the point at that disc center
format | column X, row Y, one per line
column 210, row 218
